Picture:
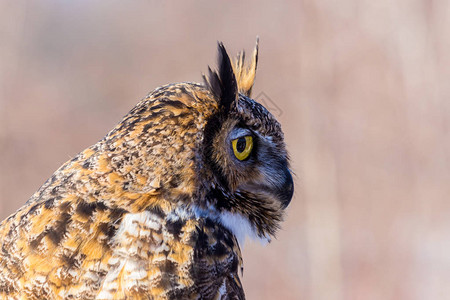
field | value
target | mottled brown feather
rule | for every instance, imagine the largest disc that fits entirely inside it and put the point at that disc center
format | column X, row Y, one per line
column 138, row 214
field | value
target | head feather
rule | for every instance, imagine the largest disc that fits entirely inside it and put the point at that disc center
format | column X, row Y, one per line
column 245, row 75
column 222, row 83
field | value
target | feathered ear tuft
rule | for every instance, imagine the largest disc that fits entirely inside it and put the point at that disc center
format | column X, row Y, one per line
column 245, row 75
column 222, row 83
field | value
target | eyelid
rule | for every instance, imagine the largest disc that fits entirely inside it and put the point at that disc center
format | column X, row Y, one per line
column 240, row 132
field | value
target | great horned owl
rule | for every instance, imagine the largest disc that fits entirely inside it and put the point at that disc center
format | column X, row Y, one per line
column 157, row 208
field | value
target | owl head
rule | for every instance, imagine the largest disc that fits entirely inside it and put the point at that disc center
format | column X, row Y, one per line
column 246, row 173
column 205, row 148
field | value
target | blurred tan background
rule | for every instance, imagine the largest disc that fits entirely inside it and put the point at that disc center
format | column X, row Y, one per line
column 361, row 88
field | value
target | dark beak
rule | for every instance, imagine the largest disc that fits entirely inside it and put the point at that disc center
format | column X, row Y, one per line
column 286, row 191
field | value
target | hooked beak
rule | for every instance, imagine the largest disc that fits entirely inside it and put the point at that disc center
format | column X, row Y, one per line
column 286, row 190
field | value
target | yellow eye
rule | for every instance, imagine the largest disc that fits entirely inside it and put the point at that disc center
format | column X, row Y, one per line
column 242, row 147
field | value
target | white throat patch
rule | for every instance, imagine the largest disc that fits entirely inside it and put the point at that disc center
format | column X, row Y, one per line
column 239, row 225
column 241, row 228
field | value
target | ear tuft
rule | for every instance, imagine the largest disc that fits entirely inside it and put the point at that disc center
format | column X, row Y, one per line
column 245, row 75
column 222, row 83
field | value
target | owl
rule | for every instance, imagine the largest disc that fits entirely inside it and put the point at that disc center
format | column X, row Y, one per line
column 157, row 209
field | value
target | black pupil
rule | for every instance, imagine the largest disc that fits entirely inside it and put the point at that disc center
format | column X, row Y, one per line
column 241, row 143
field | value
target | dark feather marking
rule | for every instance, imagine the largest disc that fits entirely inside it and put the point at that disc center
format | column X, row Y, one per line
column 140, row 110
column 34, row 208
column 86, row 165
column 175, row 181
column 200, row 239
column 150, row 124
column 223, row 202
column 117, row 213
column 54, row 191
column 50, row 203
column 161, row 105
column 5, row 250
column 107, row 229
column 57, row 233
column 174, row 103
column 209, row 223
column 71, row 260
column 86, row 209
column 156, row 210
column 168, row 267
column 222, row 83
column 220, row 249
column 212, row 128
column 35, row 242
column 167, row 103
column 174, row 227
column 101, row 206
